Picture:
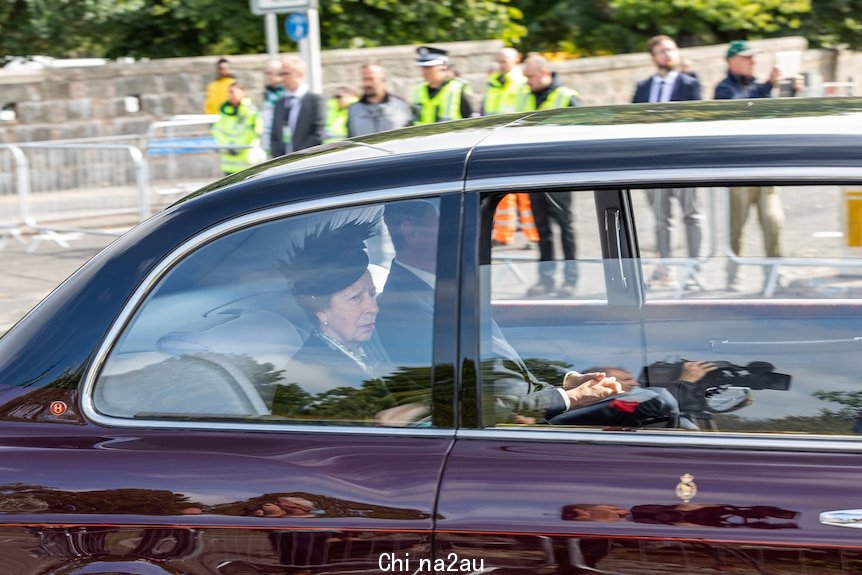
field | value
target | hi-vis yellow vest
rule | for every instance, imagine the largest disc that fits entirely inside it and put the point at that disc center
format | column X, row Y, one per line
column 558, row 98
column 501, row 93
column 238, row 126
column 336, row 121
column 445, row 105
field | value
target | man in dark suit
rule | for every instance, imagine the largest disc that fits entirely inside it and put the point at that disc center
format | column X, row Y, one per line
column 298, row 119
column 405, row 324
column 407, row 302
column 668, row 84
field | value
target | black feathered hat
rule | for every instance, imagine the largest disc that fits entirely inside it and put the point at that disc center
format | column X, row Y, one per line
column 330, row 258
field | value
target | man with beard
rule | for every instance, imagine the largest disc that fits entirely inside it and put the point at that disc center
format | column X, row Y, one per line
column 377, row 110
column 668, row 84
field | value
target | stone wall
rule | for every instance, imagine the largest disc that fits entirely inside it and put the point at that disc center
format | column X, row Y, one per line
column 64, row 103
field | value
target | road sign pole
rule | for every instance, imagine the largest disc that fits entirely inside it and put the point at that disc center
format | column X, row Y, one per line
column 271, row 29
column 302, row 26
column 310, row 49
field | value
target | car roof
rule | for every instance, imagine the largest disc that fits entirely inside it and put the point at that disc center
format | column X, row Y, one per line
column 586, row 138
column 682, row 142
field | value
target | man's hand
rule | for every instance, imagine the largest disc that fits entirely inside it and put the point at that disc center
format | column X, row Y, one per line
column 693, row 371
column 573, row 379
column 775, row 76
column 587, row 388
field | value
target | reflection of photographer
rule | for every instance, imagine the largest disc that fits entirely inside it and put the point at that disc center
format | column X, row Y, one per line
column 703, row 388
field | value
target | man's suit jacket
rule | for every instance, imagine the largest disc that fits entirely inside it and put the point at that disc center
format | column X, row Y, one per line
column 405, row 322
column 309, row 124
column 685, row 88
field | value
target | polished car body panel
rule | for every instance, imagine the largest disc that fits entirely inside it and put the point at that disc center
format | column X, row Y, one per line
column 567, row 491
column 79, row 496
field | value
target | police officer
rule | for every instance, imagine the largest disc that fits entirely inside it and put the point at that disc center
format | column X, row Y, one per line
column 337, row 110
column 544, row 92
column 440, row 97
column 501, row 97
column 237, row 132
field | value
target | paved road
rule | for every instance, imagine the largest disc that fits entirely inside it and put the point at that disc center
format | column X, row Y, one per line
column 28, row 277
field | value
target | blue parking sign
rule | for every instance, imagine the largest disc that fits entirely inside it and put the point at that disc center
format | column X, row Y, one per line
column 296, row 26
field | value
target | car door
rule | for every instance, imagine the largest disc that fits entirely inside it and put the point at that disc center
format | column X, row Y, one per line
column 208, row 450
column 758, row 494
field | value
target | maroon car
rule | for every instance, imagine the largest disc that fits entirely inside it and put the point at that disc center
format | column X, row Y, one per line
column 355, row 359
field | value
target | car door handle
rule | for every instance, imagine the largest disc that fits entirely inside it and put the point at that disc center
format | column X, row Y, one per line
column 613, row 235
column 842, row 518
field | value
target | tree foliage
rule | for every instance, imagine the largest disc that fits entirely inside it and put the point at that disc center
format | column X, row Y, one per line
column 359, row 23
column 834, row 22
column 614, row 26
column 175, row 28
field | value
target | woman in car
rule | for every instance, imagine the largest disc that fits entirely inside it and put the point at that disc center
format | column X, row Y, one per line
column 338, row 365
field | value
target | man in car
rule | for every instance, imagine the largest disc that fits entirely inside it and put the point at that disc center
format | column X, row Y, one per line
column 406, row 317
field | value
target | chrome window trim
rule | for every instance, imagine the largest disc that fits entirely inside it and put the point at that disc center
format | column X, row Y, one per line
column 209, row 235
column 672, row 438
column 710, row 177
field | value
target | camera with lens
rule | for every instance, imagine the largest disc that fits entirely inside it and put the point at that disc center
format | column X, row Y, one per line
column 726, row 388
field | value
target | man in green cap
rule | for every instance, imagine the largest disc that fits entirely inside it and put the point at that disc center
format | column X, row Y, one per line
column 740, row 82
column 740, row 85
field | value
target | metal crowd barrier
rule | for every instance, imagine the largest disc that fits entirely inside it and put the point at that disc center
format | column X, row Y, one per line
column 773, row 265
column 717, row 224
column 180, row 153
column 14, row 181
column 65, row 189
column 80, row 187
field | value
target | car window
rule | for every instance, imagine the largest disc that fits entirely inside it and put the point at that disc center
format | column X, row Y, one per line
column 544, row 305
column 775, row 353
column 754, row 292
column 321, row 318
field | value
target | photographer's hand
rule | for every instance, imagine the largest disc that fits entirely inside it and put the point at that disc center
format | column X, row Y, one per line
column 693, row 371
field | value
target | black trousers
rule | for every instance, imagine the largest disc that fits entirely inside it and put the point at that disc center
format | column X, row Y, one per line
column 556, row 207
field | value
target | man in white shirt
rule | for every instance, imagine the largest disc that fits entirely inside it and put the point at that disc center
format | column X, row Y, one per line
column 298, row 116
column 669, row 84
